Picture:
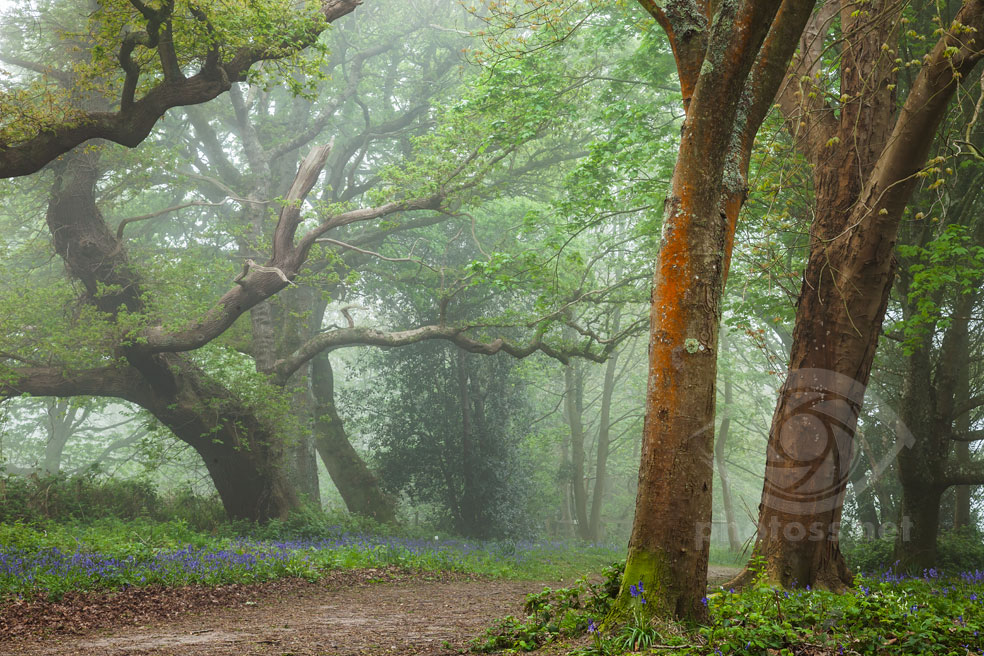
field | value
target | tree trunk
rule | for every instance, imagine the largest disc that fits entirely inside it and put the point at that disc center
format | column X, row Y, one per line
column 920, row 526
column 358, row 486
column 961, row 450
column 715, row 54
column 302, row 457
column 734, row 541
column 573, row 409
column 864, row 498
column 928, row 411
column 604, row 443
column 838, row 320
column 243, row 455
column 61, row 425
column 846, row 284
column 470, row 502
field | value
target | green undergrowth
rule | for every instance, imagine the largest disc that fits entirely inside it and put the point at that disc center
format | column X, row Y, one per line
column 956, row 551
column 47, row 559
column 880, row 615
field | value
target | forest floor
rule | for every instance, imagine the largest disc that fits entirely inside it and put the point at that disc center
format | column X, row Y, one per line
column 386, row 611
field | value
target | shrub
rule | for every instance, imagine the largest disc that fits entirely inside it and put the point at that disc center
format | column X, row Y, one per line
column 957, row 551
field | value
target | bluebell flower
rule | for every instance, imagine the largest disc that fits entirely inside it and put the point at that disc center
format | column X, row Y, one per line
column 592, row 627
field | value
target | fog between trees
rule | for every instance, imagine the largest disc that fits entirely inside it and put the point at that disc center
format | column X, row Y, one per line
column 397, row 258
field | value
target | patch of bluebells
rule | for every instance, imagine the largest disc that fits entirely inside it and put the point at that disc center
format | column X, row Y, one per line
column 50, row 571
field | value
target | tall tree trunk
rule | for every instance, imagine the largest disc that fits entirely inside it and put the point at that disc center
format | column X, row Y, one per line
column 961, row 450
column 928, row 411
column 810, row 446
column 716, row 47
column 734, row 541
column 573, row 410
column 604, row 443
column 302, row 456
column 849, row 273
column 470, row 502
column 864, row 498
column 564, row 483
column 359, row 487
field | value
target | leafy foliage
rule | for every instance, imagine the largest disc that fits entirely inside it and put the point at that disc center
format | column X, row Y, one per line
column 952, row 263
column 447, row 433
column 553, row 614
column 958, row 550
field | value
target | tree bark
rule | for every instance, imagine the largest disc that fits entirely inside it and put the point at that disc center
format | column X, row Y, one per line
column 716, row 47
column 573, row 410
column 864, row 182
column 356, row 483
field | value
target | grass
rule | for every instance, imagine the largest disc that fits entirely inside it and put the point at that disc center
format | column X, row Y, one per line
column 883, row 614
column 47, row 560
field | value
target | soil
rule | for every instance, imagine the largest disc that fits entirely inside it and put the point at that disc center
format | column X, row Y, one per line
column 386, row 611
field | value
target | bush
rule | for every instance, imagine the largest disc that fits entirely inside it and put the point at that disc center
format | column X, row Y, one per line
column 958, row 551
column 60, row 497
column 869, row 556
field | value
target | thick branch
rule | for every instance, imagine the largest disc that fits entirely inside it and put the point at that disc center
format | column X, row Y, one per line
column 122, row 383
column 342, row 337
column 971, row 404
column 808, row 118
column 134, row 121
column 969, row 436
column 894, row 176
column 965, row 473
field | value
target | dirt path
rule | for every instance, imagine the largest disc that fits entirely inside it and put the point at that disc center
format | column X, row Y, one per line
column 384, row 612
column 364, row 612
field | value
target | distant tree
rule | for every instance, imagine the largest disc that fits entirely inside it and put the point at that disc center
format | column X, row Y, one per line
column 446, row 433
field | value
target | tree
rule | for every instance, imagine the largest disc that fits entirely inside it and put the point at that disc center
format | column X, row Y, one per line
column 861, row 196
column 939, row 289
column 135, row 79
column 137, row 343
column 730, row 60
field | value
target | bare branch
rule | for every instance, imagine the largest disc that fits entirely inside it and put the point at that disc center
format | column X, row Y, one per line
column 378, row 256
column 166, row 210
column 969, row 436
column 965, row 473
column 343, row 337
